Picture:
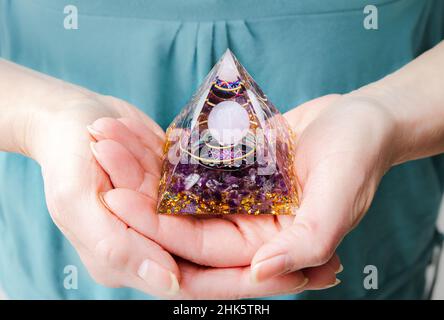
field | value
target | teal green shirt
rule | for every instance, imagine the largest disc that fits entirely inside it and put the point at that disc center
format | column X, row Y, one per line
column 141, row 51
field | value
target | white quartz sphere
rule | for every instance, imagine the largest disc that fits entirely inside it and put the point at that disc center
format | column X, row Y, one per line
column 228, row 122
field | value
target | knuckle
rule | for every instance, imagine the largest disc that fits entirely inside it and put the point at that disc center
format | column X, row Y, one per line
column 322, row 244
column 99, row 274
column 112, row 254
column 322, row 253
column 323, row 250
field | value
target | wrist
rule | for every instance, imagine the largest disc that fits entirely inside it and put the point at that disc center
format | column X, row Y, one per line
column 64, row 108
column 414, row 97
column 53, row 118
column 386, row 122
column 29, row 101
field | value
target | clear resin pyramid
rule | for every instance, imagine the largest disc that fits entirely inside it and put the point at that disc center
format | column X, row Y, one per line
column 229, row 151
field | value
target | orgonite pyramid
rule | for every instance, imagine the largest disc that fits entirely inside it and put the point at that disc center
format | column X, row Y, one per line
column 229, row 150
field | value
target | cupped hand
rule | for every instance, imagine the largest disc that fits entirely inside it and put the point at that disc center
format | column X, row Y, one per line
column 221, row 241
column 114, row 253
column 344, row 148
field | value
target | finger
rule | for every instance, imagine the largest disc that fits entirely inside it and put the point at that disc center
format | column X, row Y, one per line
column 324, row 276
column 148, row 136
column 138, row 211
column 122, row 168
column 150, row 278
column 259, row 229
column 129, row 111
column 148, row 156
column 114, row 246
column 318, row 227
column 154, row 270
column 299, row 118
column 213, row 241
column 147, row 122
column 233, row 283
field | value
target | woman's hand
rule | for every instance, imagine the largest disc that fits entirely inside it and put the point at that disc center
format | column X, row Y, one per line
column 345, row 146
column 45, row 119
column 114, row 254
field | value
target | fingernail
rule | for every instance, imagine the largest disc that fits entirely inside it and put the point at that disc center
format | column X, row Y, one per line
column 103, row 201
column 337, row 281
column 269, row 268
column 92, row 146
column 95, row 133
column 303, row 284
column 296, row 289
column 158, row 277
column 341, row 268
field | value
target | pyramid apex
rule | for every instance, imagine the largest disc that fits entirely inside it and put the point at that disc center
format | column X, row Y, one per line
column 227, row 68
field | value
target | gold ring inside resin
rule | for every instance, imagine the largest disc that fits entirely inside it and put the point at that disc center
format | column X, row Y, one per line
column 197, row 151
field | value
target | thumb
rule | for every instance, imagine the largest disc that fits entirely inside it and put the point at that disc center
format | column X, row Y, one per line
column 323, row 219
